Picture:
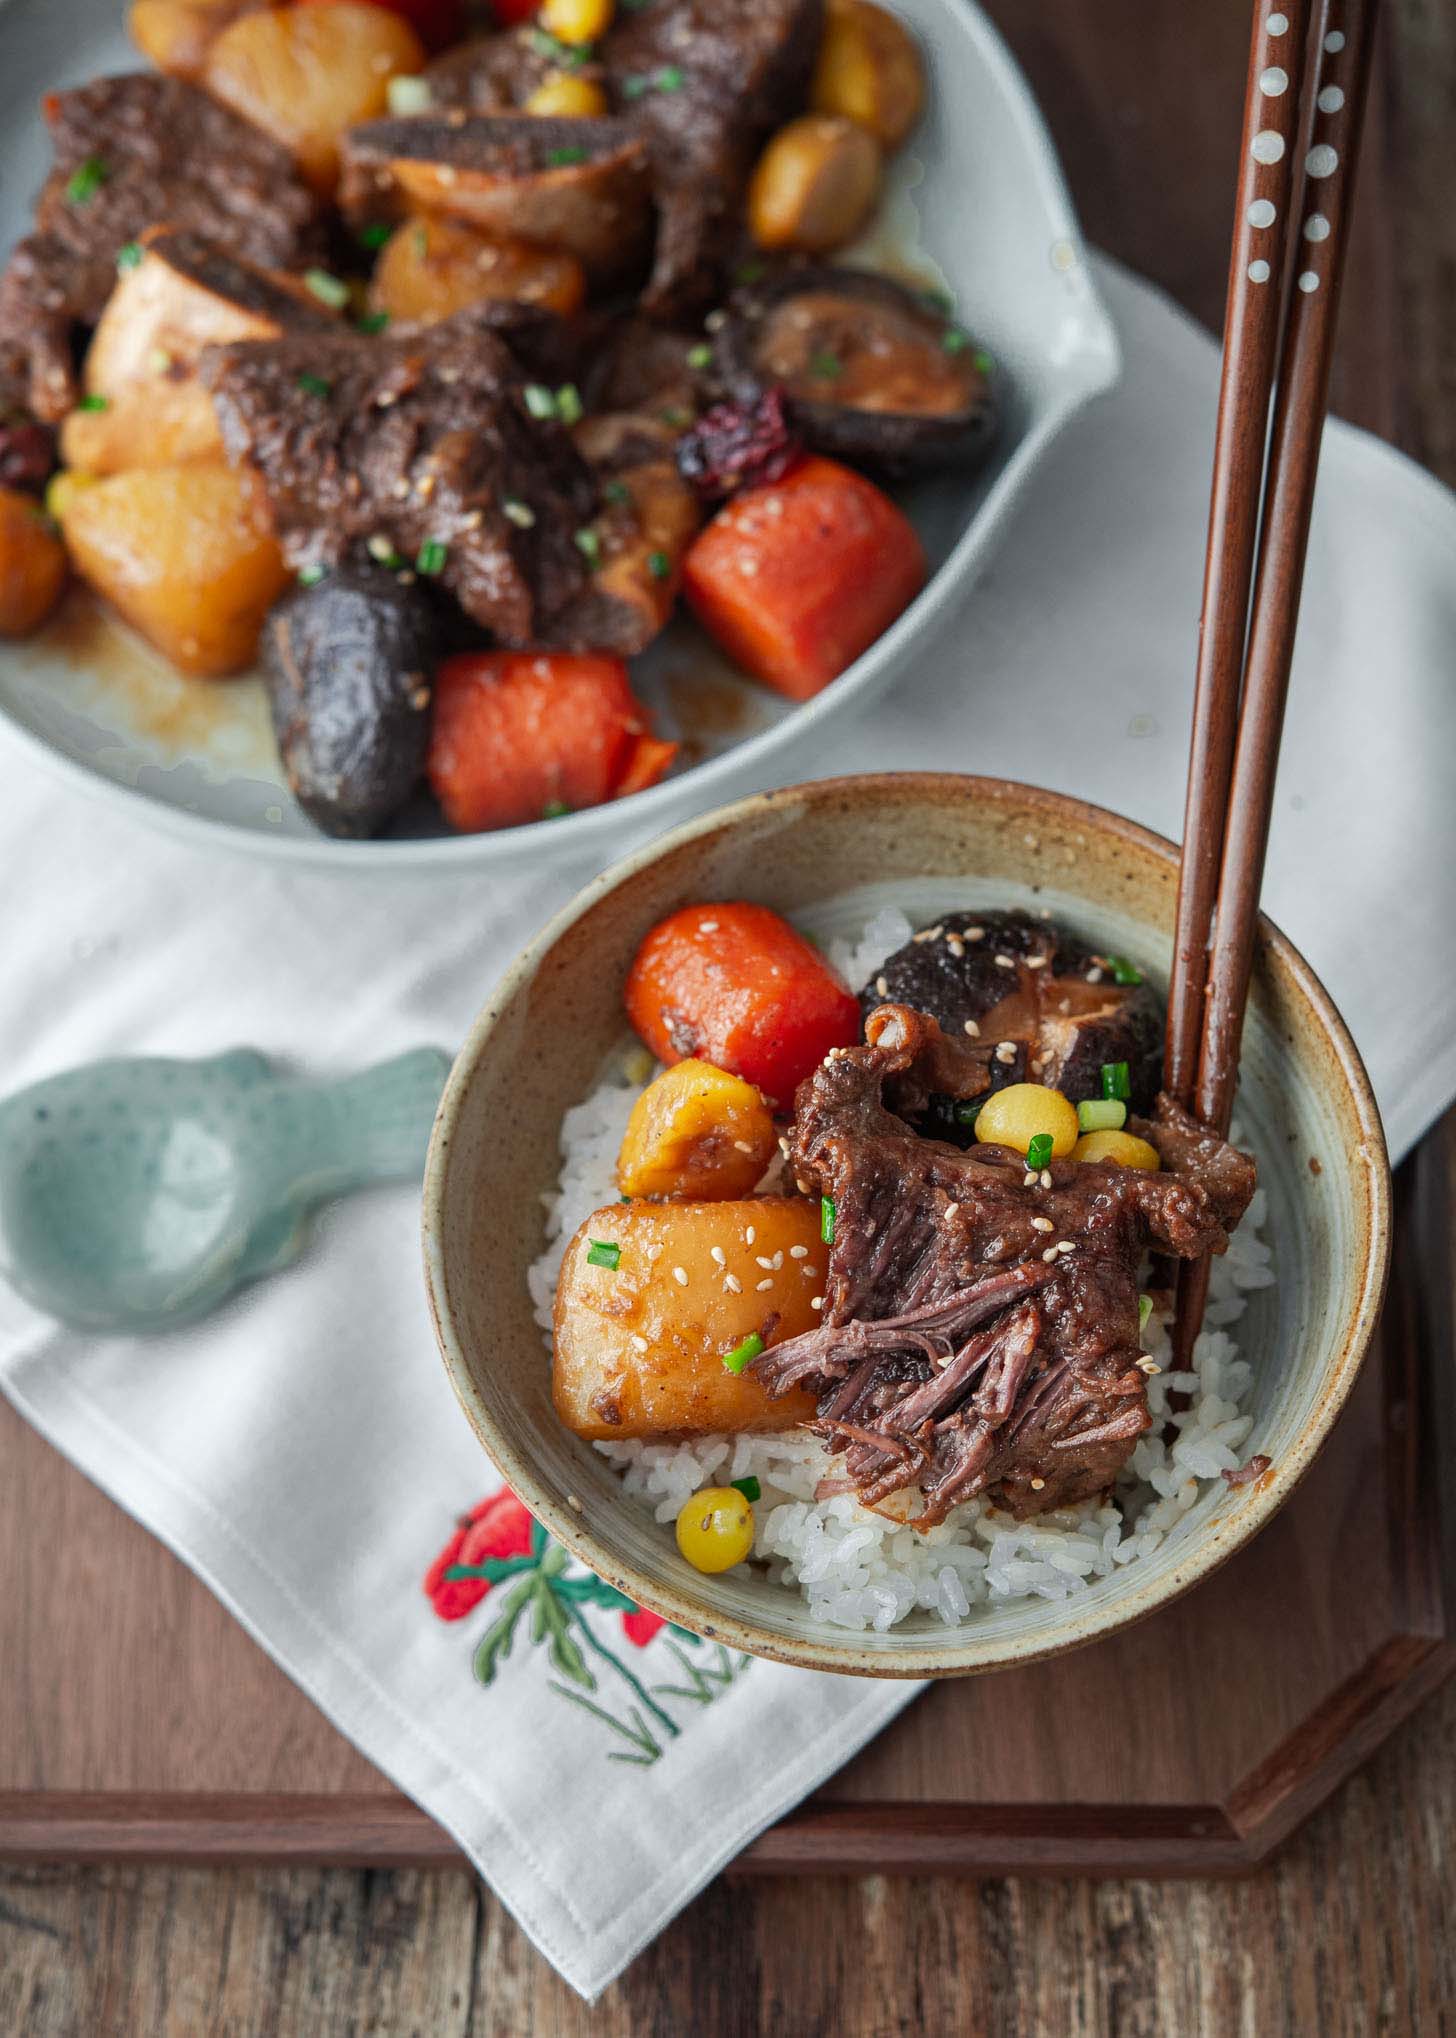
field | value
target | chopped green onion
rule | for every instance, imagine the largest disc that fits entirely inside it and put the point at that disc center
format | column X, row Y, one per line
column 408, row 96
column 700, row 356
column 937, row 300
column 659, row 565
column 130, row 256
column 314, row 385
column 539, row 400
column 1124, row 972
column 589, row 545
column 310, row 576
column 87, row 180
column 633, row 88
column 605, row 1252
column 431, row 557
column 968, row 1113
column 380, row 548
column 1115, row 1080
column 1039, row 1152
column 373, row 322
column 744, row 1355
column 954, row 340
column 983, row 363
column 826, row 1219
column 375, row 234
column 617, row 491
column 553, row 811
column 748, row 272
column 670, row 78
column 560, row 159
column 327, row 289
column 568, row 404
column 571, row 55
column 1101, row 1114
column 94, row 403
column 1145, row 1310
column 749, row 1488
column 825, row 367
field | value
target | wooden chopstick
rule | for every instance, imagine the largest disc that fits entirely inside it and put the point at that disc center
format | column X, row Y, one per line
column 1211, row 978
column 1253, row 316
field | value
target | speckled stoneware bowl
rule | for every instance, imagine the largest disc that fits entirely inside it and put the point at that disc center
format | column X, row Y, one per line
column 830, row 854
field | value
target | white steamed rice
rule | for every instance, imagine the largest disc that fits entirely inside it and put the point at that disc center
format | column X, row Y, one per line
column 858, row 1569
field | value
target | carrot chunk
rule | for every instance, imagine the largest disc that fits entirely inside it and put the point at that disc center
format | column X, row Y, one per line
column 521, row 735
column 797, row 578
column 736, row 985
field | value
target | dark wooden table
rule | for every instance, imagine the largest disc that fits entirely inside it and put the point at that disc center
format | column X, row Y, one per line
column 1353, row 1929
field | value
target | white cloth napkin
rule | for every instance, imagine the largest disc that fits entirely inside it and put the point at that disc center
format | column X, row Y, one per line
column 302, row 1452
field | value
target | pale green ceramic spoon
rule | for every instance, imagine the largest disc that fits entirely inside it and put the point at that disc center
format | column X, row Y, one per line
column 137, row 1194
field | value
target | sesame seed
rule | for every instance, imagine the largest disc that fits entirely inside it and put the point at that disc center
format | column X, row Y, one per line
column 742, row 1146
column 1046, row 1178
column 812, row 1273
column 716, row 1252
column 1050, row 1254
column 680, row 1275
column 1004, row 962
column 783, row 1146
column 1064, row 1005
column 1149, row 1366
column 974, row 934
column 1094, row 975
column 930, row 933
column 1037, row 1485
column 804, row 1188
column 1028, row 1181
column 732, row 1283
column 973, row 1029
column 751, row 1234
column 950, row 1211
column 956, row 946
column 882, row 986
column 1006, row 1051
column 816, row 1301
column 798, row 1252
column 707, row 926
column 573, row 1503
column 1041, row 1224
column 766, row 1282
column 1037, row 961
column 760, row 1261
column 639, row 1344
column 1065, row 1245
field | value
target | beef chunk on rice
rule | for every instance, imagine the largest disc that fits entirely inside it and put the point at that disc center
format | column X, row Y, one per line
column 131, row 153
column 424, row 443
column 980, row 1330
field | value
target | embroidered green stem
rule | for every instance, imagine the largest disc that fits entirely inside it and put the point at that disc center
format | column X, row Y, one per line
column 665, row 1720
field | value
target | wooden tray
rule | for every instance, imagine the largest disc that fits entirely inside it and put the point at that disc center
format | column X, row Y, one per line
column 138, row 1720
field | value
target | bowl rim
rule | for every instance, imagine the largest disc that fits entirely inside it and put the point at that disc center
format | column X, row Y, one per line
column 1088, row 370
column 1213, row 1548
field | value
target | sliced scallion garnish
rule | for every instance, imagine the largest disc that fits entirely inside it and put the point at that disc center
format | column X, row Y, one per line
column 1145, row 1310
column 1101, row 1114
column 605, row 1252
column 744, row 1355
column 94, row 403
column 553, row 811
column 1039, row 1151
column 1116, row 1081
column 700, row 356
column 1123, row 971
column 826, row 1219
column 431, row 557
column 659, row 565
column 538, row 400
column 328, row 289
column 568, row 404
column 130, row 256
column 315, row 385
column 589, row 545
column 749, row 1488
column 86, row 180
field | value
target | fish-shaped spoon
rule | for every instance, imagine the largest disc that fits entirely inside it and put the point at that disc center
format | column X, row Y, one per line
column 135, row 1194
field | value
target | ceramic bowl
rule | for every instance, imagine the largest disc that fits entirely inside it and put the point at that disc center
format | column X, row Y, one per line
column 91, row 702
column 830, row 854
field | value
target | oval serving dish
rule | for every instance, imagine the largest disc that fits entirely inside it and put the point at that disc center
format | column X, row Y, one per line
column 197, row 757
column 830, row 854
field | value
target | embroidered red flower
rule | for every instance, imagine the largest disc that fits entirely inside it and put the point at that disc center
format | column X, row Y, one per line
column 640, row 1626
column 498, row 1527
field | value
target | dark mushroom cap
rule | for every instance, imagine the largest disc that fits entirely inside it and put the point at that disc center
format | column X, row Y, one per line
column 872, row 373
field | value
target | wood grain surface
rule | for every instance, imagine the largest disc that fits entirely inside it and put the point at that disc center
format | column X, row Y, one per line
column 1351, row 1928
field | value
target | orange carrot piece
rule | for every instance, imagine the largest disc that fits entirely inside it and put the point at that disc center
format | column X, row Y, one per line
column 736, row 985
column 521, row 735
column 797, row 578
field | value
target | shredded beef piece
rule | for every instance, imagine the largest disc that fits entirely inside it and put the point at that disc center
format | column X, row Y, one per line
column 419, row 439
column 962, row 1348
column 707, row 84
column 133, row 152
